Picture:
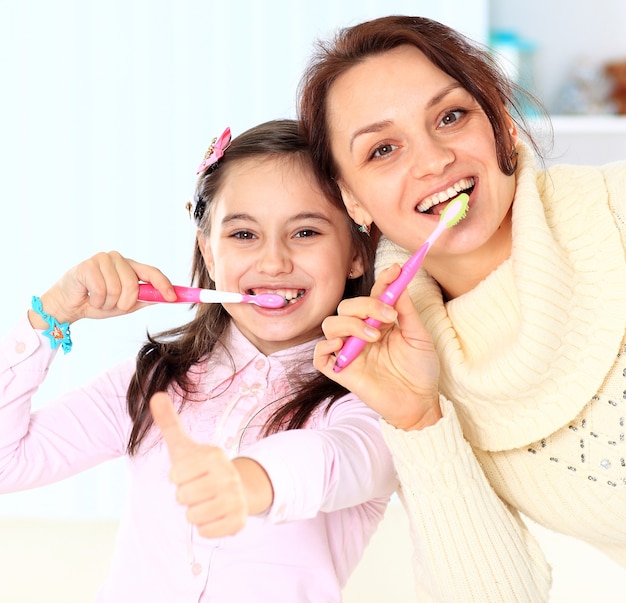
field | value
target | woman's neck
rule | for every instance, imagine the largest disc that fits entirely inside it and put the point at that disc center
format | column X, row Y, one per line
column 462, row 273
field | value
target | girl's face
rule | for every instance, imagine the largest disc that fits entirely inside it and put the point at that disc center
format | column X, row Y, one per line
column 273, row 231
column 406, row 137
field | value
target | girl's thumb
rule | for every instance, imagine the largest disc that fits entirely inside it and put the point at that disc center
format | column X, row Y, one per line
column 167, row 420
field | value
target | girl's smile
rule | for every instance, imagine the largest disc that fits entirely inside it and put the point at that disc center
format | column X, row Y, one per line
column 273, row 231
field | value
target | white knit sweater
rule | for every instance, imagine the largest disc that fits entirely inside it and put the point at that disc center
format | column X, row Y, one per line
column 534, row 363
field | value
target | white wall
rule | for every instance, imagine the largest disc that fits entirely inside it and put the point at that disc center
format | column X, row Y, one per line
column 106, row 110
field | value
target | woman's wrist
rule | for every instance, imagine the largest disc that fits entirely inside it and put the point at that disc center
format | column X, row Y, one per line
column 414, row 422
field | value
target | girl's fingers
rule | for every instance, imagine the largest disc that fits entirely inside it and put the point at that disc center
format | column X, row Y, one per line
column 102, row 281
column 152, row 275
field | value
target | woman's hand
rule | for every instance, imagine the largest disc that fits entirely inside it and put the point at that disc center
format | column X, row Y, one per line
column 103, row 286
column 397, row 373
column 219, row 493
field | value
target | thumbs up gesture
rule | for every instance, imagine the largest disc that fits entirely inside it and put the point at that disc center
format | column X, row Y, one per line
column 216, row 491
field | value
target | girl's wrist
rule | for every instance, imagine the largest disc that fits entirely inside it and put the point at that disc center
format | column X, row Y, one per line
column 50, row 307
column 57, row 331
column 36, row 320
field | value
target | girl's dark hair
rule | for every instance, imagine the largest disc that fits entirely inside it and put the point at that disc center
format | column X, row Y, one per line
column 167, row 359
column 462, row 59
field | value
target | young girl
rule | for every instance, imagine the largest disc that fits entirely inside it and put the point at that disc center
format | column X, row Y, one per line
column 256, row 436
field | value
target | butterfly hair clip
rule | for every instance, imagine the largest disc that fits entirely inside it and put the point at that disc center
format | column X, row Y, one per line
column 215, row 151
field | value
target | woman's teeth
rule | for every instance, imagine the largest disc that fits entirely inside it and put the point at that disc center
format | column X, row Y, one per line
column 449, row 193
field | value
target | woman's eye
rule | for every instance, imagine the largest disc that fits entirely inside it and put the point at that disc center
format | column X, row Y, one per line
column 384, row 149
column 451, row 117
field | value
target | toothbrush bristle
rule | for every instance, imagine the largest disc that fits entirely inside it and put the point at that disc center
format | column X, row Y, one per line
column 456, row 210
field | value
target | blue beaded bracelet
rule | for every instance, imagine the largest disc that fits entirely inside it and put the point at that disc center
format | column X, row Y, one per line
column 58, row 334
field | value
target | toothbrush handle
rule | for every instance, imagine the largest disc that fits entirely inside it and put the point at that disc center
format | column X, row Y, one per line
column 352, row 348
column 148, row 293
column 353, row 345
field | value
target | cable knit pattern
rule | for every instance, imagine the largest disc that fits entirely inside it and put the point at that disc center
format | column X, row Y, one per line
column 468, row 546
column 528, row 348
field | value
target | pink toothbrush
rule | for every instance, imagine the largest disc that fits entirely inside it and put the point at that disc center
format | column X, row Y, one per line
column 195, row 295
column 451, row 215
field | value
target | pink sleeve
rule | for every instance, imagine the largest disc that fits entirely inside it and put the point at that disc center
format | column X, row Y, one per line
column 73, row 433
column 339, row 461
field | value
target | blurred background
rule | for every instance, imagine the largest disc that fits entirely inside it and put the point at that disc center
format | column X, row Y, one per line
column 109, row 105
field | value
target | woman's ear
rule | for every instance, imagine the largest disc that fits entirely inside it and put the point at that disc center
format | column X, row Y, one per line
column 513, row 131
column 354, row 209
column 207, row 254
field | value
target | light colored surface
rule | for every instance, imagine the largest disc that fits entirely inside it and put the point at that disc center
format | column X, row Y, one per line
column 567, row 33
column 54, row 561
column 591, row 140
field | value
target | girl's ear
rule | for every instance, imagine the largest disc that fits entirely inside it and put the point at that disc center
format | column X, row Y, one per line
column 354, row 209
column 207, row 255
column 356, row 268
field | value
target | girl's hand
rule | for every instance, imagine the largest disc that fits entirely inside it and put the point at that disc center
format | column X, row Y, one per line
column 219, row 493
column 397, row 373
column 105, row 285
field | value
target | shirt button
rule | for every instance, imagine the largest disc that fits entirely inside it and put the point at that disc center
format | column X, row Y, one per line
column 259, row 364
column 20, row 347
column 196, row 569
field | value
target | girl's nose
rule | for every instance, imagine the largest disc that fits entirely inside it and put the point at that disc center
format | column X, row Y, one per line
column 274, row 259
column 430, row 157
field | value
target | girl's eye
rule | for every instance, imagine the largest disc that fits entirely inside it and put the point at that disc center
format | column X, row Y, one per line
column 384, row 149
column 243, row 235
column 305, row 233
column 451, row 117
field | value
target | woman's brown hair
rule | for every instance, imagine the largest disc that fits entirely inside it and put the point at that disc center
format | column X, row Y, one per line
column 168, row 359
column 465, row 61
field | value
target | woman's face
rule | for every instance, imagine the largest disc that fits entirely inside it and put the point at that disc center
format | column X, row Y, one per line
column 406, row 137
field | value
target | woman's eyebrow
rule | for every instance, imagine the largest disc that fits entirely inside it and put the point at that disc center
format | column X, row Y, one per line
column 375, row 127
column 379, row 125
column 439, row 97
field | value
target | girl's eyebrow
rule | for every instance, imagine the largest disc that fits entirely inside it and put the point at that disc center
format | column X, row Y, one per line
column 235, row 217
column 379, row 125
column 308, row 215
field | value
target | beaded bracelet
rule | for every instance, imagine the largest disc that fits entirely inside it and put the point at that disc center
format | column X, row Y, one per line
column 58, row 334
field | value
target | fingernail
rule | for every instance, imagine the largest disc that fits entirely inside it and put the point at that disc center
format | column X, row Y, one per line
column 389, row 313
column 370, row 332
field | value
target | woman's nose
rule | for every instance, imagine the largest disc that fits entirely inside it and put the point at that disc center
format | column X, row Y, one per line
column 430, row 157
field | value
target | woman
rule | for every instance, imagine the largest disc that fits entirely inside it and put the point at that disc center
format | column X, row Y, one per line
column 515, row 370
